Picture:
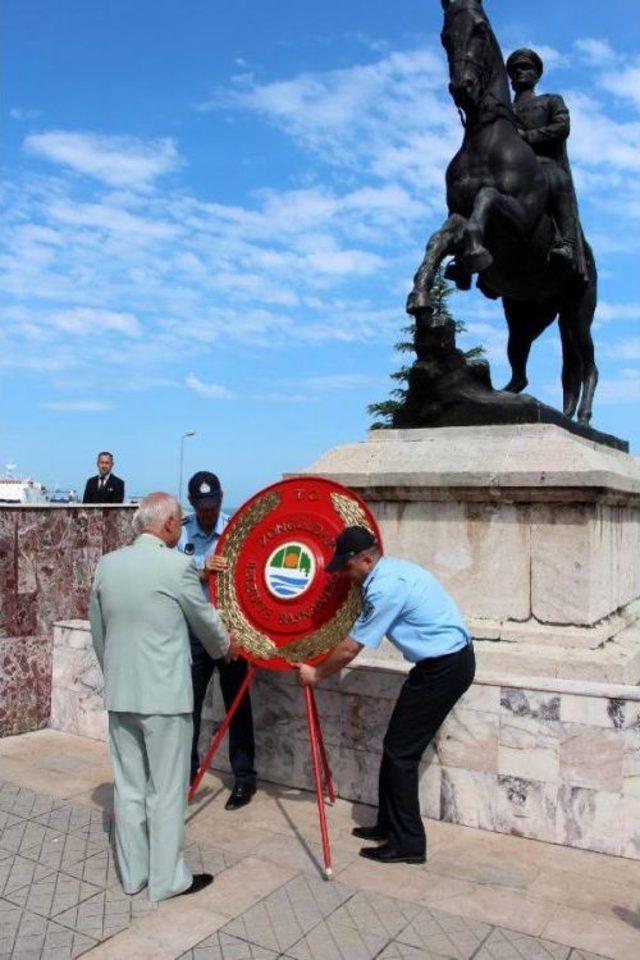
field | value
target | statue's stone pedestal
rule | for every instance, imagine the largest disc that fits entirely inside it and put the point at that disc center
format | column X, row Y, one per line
column 535, row 531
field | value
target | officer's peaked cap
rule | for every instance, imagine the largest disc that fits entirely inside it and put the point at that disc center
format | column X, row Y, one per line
column 351, row 541
column 204, row 489
column 524, row 53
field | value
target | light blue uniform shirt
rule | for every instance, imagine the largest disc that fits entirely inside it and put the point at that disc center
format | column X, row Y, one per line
column 198, row 545
column 405, row 603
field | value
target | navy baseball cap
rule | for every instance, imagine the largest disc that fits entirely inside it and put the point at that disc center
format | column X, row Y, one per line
column 204, row 489
column 351, row 541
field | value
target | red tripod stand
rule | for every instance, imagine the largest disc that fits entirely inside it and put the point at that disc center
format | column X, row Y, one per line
column 319, row 761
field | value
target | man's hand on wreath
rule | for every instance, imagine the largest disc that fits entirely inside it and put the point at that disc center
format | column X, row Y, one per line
column 216, row 564
column 308, row 675
column 235, row 647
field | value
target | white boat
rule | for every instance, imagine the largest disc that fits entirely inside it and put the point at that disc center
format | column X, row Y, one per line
column 20, row 489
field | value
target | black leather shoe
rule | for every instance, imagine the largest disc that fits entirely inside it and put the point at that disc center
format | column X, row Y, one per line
column 370, row 833
column 240, row 796
column 388, row 854
column 199, row 882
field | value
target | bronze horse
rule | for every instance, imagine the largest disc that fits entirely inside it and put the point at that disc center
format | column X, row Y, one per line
column 499, row 225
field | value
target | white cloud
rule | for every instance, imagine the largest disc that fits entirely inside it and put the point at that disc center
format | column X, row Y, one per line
column 54, row 362
column 111, row 218
column 607, row 311
column 492, row 337
column 117, row 161
column 312, row 389
column 23, row 115
column 88, row 321
column 212, row 391
column 551, row 57
column 344, row 262
column 84, row 406
column 625, row 83
column 624, row 389
column 596, row 52
column 598, row 140
column 625, row 349
column 391, row 118
column 336, row 381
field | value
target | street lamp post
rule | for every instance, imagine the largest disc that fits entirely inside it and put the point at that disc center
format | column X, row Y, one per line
column 187, row 433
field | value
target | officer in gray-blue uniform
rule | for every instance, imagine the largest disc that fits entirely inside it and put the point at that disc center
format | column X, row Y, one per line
column 200, row 533
column 405, row 603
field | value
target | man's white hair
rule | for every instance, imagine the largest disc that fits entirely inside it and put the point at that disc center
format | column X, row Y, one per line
column 154, row 510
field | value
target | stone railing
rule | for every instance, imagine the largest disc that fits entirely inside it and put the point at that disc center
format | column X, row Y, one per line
column 47, row 557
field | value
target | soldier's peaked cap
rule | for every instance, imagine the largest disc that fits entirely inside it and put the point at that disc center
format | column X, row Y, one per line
column 524, row 53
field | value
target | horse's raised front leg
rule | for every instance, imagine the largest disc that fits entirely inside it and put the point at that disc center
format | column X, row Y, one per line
column 488, row 202
column 440, row 243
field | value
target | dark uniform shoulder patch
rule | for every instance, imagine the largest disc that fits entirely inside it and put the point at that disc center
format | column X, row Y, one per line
column 189, row 548
column 367, row 610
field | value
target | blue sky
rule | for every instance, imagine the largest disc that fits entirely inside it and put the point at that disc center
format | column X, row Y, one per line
column 215, row 210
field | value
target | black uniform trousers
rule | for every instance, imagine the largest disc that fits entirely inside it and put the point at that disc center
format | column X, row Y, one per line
column 241, row 742
column 430, row 691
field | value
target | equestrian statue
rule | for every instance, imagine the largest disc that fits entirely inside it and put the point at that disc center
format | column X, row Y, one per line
column 513, row 224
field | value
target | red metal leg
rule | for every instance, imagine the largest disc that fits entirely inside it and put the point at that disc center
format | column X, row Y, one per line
column 220, row 732
column 315, row 764
column 328, row 782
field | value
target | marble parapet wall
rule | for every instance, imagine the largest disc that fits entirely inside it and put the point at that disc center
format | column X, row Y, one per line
column 47, row 557
column 554, row 760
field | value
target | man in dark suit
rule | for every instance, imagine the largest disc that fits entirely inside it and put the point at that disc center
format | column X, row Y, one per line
column 105, row 487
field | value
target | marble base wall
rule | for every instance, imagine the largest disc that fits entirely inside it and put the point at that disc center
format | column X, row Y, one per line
column 550, row 760
column 553, row 766
column 47, row 558
column 527, row 523
column 534, row 531
column 77, row 685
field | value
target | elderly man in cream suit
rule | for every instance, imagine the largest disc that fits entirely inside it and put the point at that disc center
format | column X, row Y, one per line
column 145, row 596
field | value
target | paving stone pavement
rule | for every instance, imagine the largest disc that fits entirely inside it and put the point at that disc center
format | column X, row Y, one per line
column 222, row 946
column 24, row 934
column 287, row 915
column 60, row 897
column 204, row 858
column 24, row 803
column 583, row 955
column 506, row 945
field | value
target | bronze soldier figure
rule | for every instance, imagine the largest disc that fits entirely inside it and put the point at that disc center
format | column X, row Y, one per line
column 543, row 122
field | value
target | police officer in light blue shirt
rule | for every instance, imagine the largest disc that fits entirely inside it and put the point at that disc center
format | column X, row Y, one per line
column 405, row 603
column 201, row 531
column 198, row 538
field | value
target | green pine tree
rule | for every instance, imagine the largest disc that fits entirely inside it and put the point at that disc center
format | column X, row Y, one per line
column 384, row 410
